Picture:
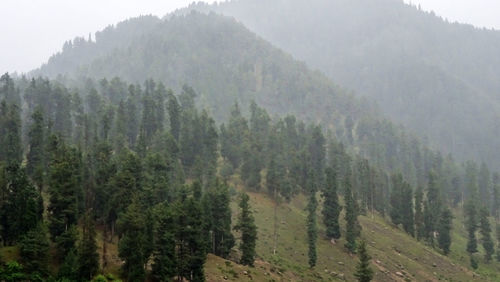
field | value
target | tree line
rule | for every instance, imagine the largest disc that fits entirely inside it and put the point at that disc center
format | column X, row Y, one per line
column 140, row 164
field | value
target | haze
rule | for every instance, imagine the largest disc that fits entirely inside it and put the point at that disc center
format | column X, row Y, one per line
column 37, row 29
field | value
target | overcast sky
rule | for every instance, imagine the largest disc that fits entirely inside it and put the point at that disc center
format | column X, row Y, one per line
column 32, row 30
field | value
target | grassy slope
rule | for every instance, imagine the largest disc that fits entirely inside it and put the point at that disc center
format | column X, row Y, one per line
column 391, row 249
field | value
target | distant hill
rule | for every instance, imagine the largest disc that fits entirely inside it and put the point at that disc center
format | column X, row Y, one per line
column 225, row 62
column 436, row 77
column 220, row 58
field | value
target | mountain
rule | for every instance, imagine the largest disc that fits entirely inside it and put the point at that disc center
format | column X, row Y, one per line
column 437, row 78
column 218, row 57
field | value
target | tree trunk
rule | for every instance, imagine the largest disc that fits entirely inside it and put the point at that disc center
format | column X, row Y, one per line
column 275, row 222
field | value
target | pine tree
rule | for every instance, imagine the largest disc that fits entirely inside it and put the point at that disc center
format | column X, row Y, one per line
column 222, row 238
column 131, row 244
column 498, row 242
column 444, row 229
column 331, row 207
column 10, row 139
column 485, row 230
column 22, row 208
column 312, row 229
column 471, row 209
column 88, row 258
column 363, row 271
column 64, row 187
column 432, row 207
column 246, row 225
column 173, row 110
column 34, row 250
column 419, row 216
column 164, row 264
column 35, row 166
column 351, row 215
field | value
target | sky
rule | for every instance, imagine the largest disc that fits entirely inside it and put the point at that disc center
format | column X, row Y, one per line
column 33, row 30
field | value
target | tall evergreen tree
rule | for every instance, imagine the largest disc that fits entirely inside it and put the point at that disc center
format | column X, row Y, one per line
column 312, row 229
column 22, row 208
column 351, row 215
column 88, row 258
column 35, row 166
column 331, row 206
column 34, row 250
column 419, row 214
column 246, row 225
column 432, row 206
column 164, row 264
column 64, row 187
column 363, row 271
column 485, row 230
column 131, row 244
column 444, row 229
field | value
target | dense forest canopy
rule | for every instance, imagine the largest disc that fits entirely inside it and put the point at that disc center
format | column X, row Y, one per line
column 172, row 149
column 437, row 78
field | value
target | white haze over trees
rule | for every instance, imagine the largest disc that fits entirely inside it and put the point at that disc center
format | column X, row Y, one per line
column 37, row 29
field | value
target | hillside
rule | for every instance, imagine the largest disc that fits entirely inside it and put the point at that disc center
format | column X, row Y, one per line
column 222, row 60
column 395, row 255
column 437, row 78
column 225, row 63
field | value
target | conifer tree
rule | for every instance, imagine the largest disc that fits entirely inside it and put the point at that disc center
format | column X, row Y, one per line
column 497, row 255
column 164, row 264
column 64, row 187
column 22, row 208
column 34, row 250
column 35, row 166
column 246, row 225
column 351, row 215
column 312, row 229
column 363, row 271
column 88, row 258
column 223, row 239
column 331, row 206
column 471, row 209
column 131, row 244
column 444, row 229
column 10, row 139
column 432, row 207
column 419, row 216
column 485, row 230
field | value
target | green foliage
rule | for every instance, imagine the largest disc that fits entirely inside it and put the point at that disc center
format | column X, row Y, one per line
column 444, row 229
column 312, row 229
column 351, row 215
column 432, row 207
column 36, row 159
column 485, row 230
column 64, row 187
column 164, row 265
column 88, row 258
column 12, row 272
column 246, row 225
column 34, row 249
column 331, row 206
column 222, row 240
column 21, row 209
column 402, row 204
column 132, row 242
column 363, row 271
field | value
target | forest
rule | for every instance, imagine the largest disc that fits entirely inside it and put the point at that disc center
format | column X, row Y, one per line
column 153, row 172
column 193, row 147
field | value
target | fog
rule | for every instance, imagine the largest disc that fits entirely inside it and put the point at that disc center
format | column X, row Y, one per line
column 34, row 30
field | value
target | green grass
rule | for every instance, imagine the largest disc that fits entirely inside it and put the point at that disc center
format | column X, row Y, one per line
column 392, row 250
